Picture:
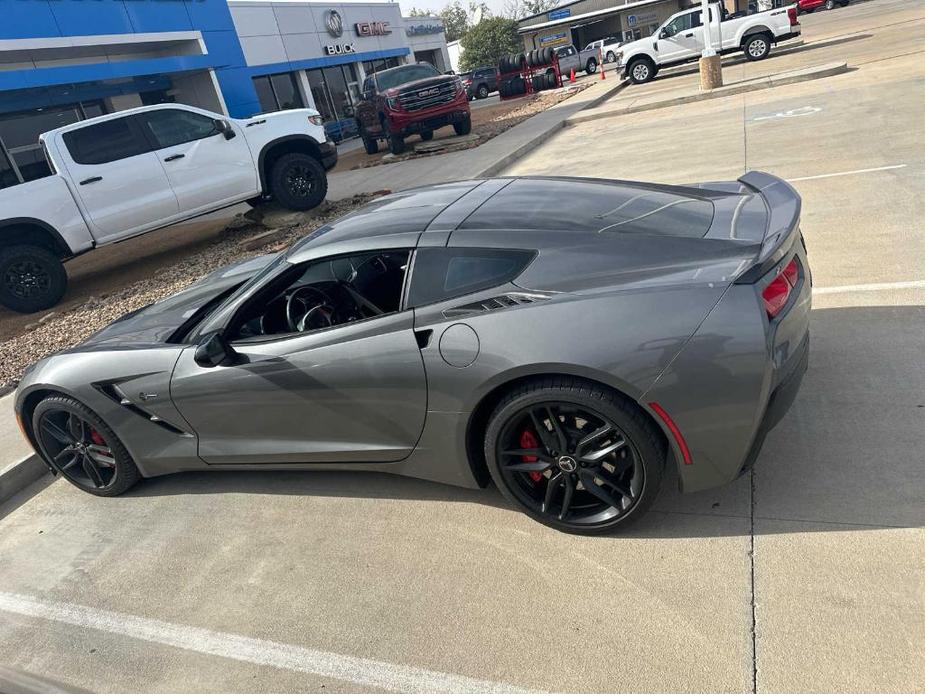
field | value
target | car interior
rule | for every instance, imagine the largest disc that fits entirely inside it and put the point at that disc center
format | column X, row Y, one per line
column 323, row 294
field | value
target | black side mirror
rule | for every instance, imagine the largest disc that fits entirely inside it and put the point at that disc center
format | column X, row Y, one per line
column 214, row 350
column 224, row 127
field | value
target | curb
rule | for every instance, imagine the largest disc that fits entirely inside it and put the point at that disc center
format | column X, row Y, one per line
column 19, row 475
column 790, row 77
column 540, row 137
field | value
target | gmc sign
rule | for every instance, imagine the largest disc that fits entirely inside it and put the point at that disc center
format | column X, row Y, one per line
column 372, row 28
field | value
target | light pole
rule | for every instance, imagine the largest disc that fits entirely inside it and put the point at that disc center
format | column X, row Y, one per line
column 711, row 70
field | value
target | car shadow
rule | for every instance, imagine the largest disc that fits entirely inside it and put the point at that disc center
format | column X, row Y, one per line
column 847, row 456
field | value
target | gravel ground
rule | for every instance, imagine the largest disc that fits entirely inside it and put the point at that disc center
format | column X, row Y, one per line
column 56, row 331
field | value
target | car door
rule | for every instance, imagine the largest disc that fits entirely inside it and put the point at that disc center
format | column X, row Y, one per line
column 678, row 40
column 355, row 392
column 118, row 180
column 206, row 168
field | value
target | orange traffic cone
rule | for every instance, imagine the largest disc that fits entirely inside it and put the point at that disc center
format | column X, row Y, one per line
column 602, row 64
column 571, row 75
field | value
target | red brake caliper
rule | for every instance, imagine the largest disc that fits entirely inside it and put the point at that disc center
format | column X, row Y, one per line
column 528, row 440
column 96, row 438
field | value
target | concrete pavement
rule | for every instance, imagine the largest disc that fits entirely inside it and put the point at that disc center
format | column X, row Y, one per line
column 805, row 577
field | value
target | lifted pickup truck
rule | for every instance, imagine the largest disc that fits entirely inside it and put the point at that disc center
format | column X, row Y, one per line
column 410, row 99
column 680, row 39
column 128, row 173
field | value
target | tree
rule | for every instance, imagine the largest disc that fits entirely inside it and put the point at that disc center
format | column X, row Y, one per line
column 518, row 9
column 415, row 12
column 487, row 41
column 455, row 21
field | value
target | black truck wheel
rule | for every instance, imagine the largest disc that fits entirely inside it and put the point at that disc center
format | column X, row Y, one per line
column 32, row 278
column 463, row 127
column 298, row 181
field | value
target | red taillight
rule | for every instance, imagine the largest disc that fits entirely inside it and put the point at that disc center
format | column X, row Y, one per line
column 675, row 432
column 777, row 293
column 792, row 15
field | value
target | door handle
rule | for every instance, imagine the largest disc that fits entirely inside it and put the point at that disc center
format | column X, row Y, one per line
column 687, row 36
column 92, row 179
column 173, row 157
column 256, row 122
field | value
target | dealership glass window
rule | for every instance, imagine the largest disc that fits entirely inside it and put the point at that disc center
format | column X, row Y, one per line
column 19, row 133
column 335, row 91
column 320, row 94
column 278, row 92
column 371, row 66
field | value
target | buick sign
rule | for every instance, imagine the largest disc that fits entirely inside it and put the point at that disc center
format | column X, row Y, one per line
column 334, row 23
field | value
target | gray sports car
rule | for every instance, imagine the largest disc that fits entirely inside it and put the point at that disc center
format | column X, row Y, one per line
column 565, row 338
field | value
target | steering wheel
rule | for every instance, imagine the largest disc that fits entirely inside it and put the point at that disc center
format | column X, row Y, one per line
column 318, row 310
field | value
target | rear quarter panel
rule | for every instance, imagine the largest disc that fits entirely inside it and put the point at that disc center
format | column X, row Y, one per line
column 49, row 201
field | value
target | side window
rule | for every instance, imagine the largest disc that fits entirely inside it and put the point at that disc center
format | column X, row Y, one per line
column 679, row 23
column 105, row 142
column 445, row 273
column 172, row 127
column 323, row 294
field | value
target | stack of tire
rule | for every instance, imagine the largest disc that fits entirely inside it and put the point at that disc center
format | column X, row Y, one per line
column 519, row 62
column 540, row 57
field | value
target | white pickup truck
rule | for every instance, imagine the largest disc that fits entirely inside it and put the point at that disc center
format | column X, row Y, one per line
column 131, row 172
column 680, row 38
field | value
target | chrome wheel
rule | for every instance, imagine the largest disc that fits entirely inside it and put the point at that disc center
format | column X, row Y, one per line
column 757, row 48
column 570, row 464
column 77, row 450
column 640, row 72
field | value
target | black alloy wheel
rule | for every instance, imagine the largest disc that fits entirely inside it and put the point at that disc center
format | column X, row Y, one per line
column 575, row 457
column 75, row 442
column 298, row 181
column 32, row 278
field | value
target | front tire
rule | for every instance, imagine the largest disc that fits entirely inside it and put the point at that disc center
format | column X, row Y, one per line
column 298, row 181
column 32, row 278
column 463, row 127
column 574, row 455
column 757, row 47
column 641, row 71
column 830, row 4
column 75, row 442
column 482, row 93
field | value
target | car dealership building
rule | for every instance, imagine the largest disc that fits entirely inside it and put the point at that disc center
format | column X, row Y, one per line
column 62, row 61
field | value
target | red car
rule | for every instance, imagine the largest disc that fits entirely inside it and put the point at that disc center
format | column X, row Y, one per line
column 407, row 100
column 810, row 5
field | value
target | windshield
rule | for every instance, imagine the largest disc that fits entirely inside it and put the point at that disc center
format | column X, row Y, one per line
column 389, row 79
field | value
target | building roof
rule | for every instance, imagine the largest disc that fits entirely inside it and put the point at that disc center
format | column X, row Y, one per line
column 585, row 16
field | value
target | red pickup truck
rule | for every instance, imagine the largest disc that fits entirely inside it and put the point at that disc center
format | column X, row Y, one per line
column 407, row 100
column 810, row 5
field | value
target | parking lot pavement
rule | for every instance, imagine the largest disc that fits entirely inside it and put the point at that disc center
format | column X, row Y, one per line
column 839, row 546
column 804, row 577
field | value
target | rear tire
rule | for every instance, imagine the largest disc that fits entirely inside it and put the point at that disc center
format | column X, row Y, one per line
column 610, row 57
column 119, row 472
column 757, row 47
column 298, row 181
column 591, row 66
column 482, row 92
column 463, row 127
column 627, row 476
column 32, row 278
column 830, row 4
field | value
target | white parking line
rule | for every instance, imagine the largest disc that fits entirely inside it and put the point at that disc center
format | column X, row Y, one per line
column 849, row 173
column 873, row 287
column 372, row 673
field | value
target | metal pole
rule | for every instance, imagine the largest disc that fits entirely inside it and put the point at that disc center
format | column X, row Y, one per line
column 707, row 33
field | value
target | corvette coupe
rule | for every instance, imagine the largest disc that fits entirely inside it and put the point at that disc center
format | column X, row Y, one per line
column 567, row 339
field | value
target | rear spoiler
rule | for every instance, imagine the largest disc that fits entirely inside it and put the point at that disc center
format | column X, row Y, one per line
column 784, row 205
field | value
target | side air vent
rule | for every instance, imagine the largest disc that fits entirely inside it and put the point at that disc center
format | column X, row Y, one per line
column 495, row 303
column 113, row 392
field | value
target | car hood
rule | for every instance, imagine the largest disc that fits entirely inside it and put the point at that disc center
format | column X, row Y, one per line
column 155, row 323
column 421, row 84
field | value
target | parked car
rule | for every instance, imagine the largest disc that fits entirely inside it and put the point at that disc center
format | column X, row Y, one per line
column 128, row 173
column 410, row 99
column 810, row 5
column 680, row 39
column 571, row 59
column 481, row 82
column 606, row 47
column 461, row 333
